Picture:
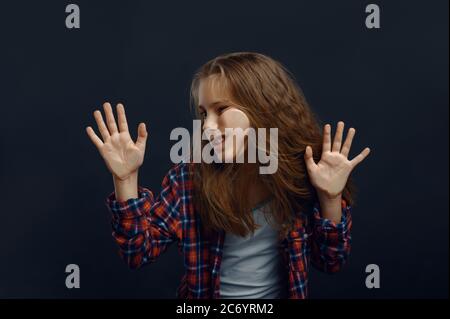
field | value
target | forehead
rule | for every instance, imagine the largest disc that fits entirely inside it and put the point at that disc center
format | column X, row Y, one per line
column 212, row 89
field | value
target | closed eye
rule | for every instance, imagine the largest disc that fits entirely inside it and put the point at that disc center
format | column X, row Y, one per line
column 222, row 108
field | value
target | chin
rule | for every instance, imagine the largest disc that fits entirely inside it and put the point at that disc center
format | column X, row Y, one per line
column 225, row 157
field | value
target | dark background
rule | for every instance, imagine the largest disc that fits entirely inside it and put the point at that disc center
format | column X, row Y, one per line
column 390, row 84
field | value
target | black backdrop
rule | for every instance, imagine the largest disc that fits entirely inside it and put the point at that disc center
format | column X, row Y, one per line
column 390, row 84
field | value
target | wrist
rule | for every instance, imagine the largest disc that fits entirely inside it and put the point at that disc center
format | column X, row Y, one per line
column 325, row 196
column 126, row 188
column 127, row 180
column 330, row 206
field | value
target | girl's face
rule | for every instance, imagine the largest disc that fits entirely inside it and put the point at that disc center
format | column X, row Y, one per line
column 219, row 112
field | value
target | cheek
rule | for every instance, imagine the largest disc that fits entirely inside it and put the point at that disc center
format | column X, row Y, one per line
column 234, row 118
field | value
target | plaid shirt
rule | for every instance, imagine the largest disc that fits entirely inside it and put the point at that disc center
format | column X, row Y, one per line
column 144, row 227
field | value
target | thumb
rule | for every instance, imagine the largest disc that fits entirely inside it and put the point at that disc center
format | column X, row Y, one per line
column 142, row 135
column 309, row 158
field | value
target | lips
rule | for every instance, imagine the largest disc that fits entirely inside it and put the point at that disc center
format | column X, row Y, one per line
column 217, row 140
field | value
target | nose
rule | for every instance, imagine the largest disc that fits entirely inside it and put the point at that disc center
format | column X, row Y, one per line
column 210, row 123
column 211, row 128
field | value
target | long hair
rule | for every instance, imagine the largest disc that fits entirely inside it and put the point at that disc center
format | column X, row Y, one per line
column 268, row 94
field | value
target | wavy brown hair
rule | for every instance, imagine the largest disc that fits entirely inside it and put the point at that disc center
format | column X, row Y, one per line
column 269, row 95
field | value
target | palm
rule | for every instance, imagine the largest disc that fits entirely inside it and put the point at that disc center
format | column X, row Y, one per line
column 331, row 173
column 122, row 156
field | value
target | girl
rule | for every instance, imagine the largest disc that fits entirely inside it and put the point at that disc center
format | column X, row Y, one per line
column 242, row 234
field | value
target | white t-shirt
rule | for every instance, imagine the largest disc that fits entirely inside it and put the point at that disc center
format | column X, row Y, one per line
column 252, row 266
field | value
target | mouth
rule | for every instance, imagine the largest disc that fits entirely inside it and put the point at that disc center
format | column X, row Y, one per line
column 217, row 141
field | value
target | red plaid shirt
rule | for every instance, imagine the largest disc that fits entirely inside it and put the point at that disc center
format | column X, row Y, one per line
column 144, row 227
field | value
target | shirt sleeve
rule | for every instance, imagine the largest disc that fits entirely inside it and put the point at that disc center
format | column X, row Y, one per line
column 144, row 227
column 330, row 242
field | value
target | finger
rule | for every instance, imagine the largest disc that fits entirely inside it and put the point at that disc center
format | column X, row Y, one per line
column 110, row 121
column 309, row 160
column 142, row 136
column 101, row 125
column 326, row 138
column 94, row 138
column 348, row 142
column 358, row 159
column 338, row 137
column 121, row 117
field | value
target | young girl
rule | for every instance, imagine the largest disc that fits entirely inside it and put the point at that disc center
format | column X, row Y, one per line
column 242, row 234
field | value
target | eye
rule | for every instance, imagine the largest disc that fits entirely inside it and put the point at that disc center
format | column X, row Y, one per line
column 222, row 108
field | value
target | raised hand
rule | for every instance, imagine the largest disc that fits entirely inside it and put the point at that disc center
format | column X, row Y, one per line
column 330, row 175
column 122, row 156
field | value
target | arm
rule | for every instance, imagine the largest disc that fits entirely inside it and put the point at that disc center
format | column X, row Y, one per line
column 330, row 241
column 331, row 218
column 145, row 226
